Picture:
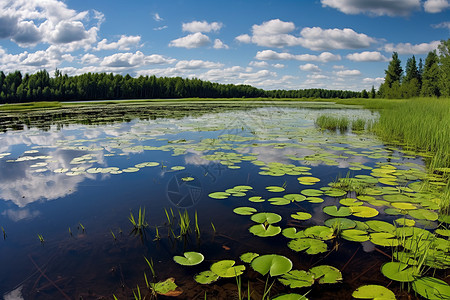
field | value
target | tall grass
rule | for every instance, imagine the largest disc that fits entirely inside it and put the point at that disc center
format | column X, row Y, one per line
column 421, row 124
column 333, row 123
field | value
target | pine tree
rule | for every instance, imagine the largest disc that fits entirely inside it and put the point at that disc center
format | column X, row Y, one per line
column 394, row 72
column 411, row 81
column 430, row 78
column 444, row 64
column 373, row 93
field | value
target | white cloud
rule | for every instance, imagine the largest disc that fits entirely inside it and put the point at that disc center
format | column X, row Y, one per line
column 157, row 18
column 309, row 68
column 367, row 56
column 203, row 26
column 197, row 64
column 374, row 7
column 272, row 55
column 348, row 73
column 436, row 6
column 408, row 48
column 244, row 38
column 89, row 59
column 317, row 39
column 259, row 64
column 278, row 66
column 218, row 44
column 442, row 25
column 124, row 43
column 160, row 28
column 134, row 60
column 317, row 76
column 373, row 81
column 191, row 41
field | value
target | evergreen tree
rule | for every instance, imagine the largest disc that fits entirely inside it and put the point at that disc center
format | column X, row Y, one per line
column 364, row 94
column 411, row 70
column 394, row 71
column 430, row 78
column 444, row 64
column 411, row 81
column 373, row 93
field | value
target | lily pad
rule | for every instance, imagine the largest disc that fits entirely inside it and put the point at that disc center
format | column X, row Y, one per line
column 335, row 193
column 248, row 257
column 268, row 217
column 333, row 211
column 219, row 195
column 291, row 233
column 244, row 210
column 167, row 288
column 384, row 239
column 273, row 264
column 405, row 222
column 265, row 231
column 297, row 279
column 355, row 235
column 302, row 216
column 275, row 189
column 364, row 211
column 206, row 277
column 294, row 197
column 227, row 269
column 256, row 199
column 431, row 288
column 380, row 226
column 312, row 192
column 279, row 201
column 309, row 245
column 326, row 274
column 423, row 214
column 350, row 202
column 399, row 271
column 319, row 232
column 340, row 223
column 403, row 205
column 189, row 259
column 290, row 297
column 373, row 292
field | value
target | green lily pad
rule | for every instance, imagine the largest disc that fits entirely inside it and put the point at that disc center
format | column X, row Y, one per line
column 380, row 226
column 291, row 233
column 279, row 201
column 423, row 214
column 384, row 239
column 248, row 257
column 335, row 193
column 256, row 199
column 206, row 277
column 403, row 205
column 373, row 292
column 333, row 211
column 265, row 231
column 364, row 211
column 405, row 222
column 340, row 223
column 350, row 202
column 275, row 189
column 302, row 216
column 189, row 259
column 319, row 232
column 431, row 288
column 294, row 197
column 326, row 274
column 166, row 288
column 355, row 235
column 312, row 192
column 443, row 232
column 270, row 218
column 187, row 179
column 219, row 195
column 308, row 180
column 273, row 264
column 309, row 245
column 314, row 200
column 227, row 269
column 290, row 297
column 297, row 279
column 399, row 271
column 177, row 168
column 244, row 210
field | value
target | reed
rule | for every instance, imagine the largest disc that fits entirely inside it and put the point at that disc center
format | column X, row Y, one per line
column 4, row 233
column 358, row 124
column 329, row 122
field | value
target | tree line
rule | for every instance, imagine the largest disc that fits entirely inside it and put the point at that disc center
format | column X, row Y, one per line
column 431, row 79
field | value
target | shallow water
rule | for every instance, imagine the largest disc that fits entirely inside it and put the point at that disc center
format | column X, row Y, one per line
column 76, row 185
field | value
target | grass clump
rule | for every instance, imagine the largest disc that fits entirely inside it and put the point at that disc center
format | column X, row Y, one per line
column 358, row 124
column 329, row 122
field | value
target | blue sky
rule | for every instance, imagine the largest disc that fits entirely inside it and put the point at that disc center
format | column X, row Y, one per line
column 279, row 44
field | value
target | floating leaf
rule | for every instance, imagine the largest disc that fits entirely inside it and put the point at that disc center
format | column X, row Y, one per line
column 399, row 271
column 178, row 168
column 226, row 268
column 273, row 264
column 248, row 257
column 302, row 216
column 275, row 189
column 291, row 233
column 333, row 211
column 340, row 223
column 431, row 288
column 364, row 211
column 335, row 193
column 297, row 279
column 405, row 222
column 374, row 292
column 187, row 179
column 380, row 226
column 270, row 218
column 206, row 277
column 189, row 259
column 384, row 239
column 244, row 210
column 403, row 205
column 314, row 200
column 290, row 297
column 294, row 197
column 167, row 288
column 350, row 202
column 307, row 180
column 320, row 232
column 309, row 245
column 312, row 192
column 423, row 214
column 265, row 231
column 219, row 195
column 355, row 235
column 279, row 201
column 326, row 274
column 256, row 199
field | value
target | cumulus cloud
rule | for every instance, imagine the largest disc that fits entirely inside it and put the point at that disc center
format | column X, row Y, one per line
column 276, row 33
column 28, row 23
column 408, row 48
column 133, row 60
column 272, row 55
column 89, row 59
column 197, row 64
column 124, row 43
column 278, row 66
column 309, row 68
column 348, row 73
column 191, row 41
column 373, row 81
column 436, row 6
column 201, row 26
column 367, row 56
column 259, row 64
column 374, row 7
column 218, row 44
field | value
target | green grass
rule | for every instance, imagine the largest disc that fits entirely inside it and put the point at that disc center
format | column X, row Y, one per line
column 421, row 124
column 30, row 106
column 333, row 123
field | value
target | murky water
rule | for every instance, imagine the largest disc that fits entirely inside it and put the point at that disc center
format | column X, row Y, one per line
column 76, row 185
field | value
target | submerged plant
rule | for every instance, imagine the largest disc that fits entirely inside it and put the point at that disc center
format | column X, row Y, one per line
column 4, row 233
column 140, row 224
column 41, row 238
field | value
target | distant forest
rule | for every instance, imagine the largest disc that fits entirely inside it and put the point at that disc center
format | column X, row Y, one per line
column 430, row 80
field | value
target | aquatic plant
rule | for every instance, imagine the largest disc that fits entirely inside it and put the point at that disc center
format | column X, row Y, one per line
column 4, row 233
column 41, row 238
column 140, row 224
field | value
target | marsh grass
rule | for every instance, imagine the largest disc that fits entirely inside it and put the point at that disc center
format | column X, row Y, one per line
column 421, row 124
column 358, row 124
column 30, row 106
